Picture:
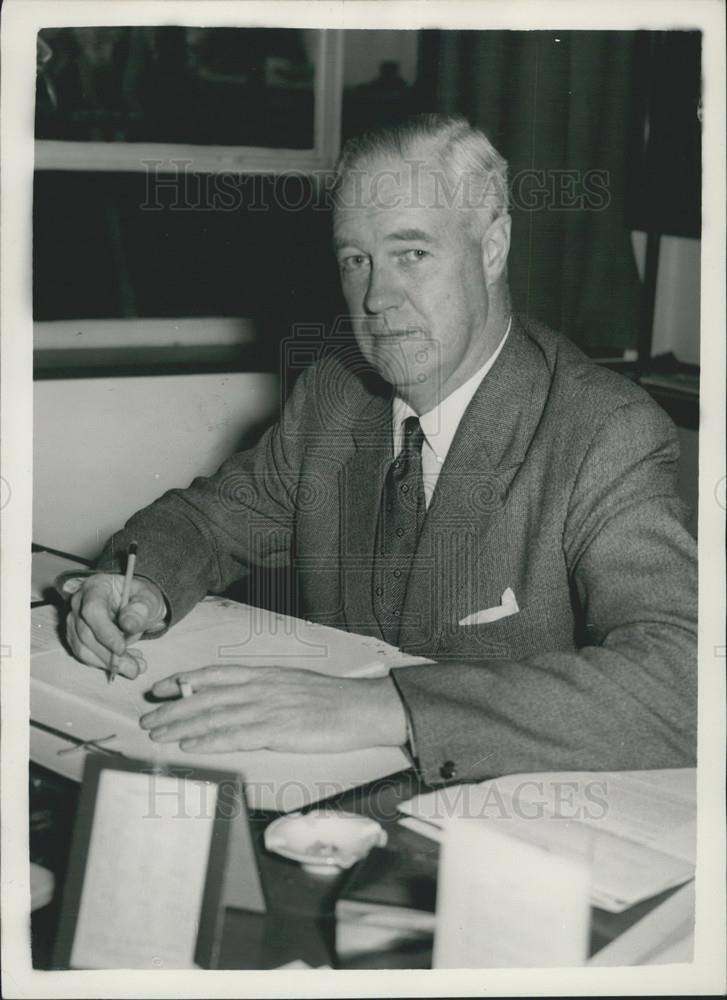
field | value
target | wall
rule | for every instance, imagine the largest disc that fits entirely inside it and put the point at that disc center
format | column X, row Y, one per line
column 104, row 447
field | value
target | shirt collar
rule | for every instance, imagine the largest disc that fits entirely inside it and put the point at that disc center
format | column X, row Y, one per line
column 440, row 424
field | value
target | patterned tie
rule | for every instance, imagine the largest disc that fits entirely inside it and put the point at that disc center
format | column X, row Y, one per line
column 401, row 515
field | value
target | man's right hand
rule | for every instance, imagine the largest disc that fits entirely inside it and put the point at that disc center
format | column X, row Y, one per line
column 96, row 630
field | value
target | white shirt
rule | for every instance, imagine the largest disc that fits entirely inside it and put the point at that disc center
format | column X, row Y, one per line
column 440, row 424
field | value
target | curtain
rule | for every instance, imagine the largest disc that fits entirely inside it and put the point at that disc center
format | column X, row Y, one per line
column 557, row 106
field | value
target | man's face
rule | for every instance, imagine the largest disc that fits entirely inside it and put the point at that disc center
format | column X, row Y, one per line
column 413, row 276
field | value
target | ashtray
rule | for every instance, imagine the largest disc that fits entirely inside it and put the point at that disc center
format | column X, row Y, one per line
column 324, row 842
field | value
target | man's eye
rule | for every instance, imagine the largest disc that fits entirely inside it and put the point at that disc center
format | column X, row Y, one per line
column 354, row 262
column 415, row 255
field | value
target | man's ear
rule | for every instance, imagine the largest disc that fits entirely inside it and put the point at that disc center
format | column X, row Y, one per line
column 495, row 248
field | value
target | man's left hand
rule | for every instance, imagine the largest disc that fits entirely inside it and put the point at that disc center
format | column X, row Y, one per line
column 235, row 707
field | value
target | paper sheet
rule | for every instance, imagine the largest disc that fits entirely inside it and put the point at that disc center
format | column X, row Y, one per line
column 643, row 823
column 76, row 699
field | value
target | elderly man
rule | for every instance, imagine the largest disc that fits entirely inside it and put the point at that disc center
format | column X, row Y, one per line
column 470, row 487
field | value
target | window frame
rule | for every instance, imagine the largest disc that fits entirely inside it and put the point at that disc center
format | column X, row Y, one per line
column 52, row 154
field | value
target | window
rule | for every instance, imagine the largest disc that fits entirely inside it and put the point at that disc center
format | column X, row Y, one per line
column 240, row 99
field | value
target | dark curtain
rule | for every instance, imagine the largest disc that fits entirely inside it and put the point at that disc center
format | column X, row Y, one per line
column 557, row 106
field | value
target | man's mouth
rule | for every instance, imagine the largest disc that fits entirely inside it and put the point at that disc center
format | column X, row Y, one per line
column 405, row 333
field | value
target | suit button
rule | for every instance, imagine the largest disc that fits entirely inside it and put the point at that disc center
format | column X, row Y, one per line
column 448, row 770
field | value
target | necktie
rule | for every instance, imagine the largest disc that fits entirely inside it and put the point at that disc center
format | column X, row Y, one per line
column 401, row 516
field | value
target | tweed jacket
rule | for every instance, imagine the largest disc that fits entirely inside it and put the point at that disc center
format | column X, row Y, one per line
column 559, row 485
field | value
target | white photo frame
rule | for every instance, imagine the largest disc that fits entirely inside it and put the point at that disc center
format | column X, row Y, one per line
column 153, row 851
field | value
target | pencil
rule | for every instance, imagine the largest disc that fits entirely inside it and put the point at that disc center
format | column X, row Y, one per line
column 125, row 593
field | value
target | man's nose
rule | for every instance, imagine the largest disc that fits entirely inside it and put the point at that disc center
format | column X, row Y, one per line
column 383, row 291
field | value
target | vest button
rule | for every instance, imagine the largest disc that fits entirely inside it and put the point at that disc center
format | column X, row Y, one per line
column 448, row 770
column 379, row 591
column 400, row 532
column 397, row 573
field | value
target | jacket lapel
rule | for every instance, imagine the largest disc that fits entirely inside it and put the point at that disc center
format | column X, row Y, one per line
column 471, row 493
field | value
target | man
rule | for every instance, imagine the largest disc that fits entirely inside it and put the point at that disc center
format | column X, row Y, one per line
column 477, row 492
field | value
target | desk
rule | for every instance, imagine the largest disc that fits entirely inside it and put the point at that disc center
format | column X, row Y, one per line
column 300, row 921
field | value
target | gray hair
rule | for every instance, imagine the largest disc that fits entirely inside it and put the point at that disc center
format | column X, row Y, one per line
column 474, row 172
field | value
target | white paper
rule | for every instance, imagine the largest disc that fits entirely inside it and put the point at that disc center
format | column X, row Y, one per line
column 43, row 630
column 626, row 872
column 643, row 822
column 78, row 700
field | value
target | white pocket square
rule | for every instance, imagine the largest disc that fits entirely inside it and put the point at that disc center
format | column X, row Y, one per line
column 507, row 606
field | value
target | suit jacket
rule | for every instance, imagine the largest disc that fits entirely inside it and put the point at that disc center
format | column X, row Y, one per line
column 559, row 484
